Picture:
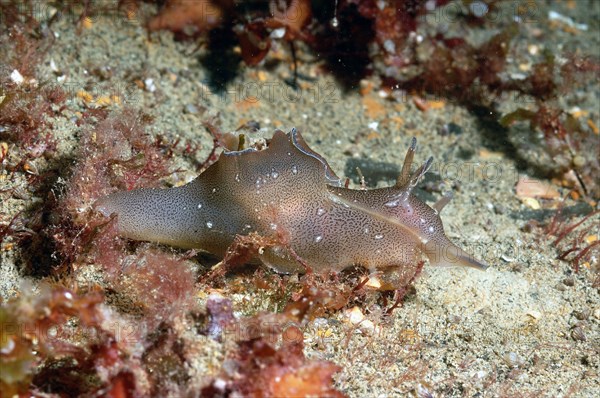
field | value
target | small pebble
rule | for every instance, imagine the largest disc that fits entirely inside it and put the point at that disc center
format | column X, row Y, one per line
column 531, row 203
column 149, row 84
column 191, row 109
column 583, row 314
column 579, row 161
column 499, row 209
column 533, row 49
column 569, row 281
column 578, row 334
column 534, row 314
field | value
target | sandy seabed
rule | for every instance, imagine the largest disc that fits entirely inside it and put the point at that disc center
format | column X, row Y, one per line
column 508, row 331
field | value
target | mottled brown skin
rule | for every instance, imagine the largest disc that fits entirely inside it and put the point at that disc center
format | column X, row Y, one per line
column 289, row 191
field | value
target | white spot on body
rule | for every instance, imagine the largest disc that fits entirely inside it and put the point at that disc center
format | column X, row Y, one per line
column 199, row 205
column 209, row 224
column 392, row 203
column 320, row 211
column 8, row 347
column 379, row 236
column 278, row 33
column 478, row 8
column 220, row 384
column 294, row 169
column 389, row 46
column 318, row 238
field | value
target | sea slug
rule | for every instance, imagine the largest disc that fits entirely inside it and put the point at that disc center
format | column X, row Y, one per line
column 289, row 187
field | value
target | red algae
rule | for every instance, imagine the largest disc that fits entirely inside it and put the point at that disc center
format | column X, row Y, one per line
column 160, row 284
column 26, row 103
column 261, row 370
column 115, row 152
column 30, row 329
column 575, row 239
column 564, row 140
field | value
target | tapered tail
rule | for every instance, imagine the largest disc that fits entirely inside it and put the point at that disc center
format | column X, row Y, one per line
column 447, row 254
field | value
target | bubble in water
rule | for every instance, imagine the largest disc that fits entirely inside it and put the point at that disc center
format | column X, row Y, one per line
column 334, row 21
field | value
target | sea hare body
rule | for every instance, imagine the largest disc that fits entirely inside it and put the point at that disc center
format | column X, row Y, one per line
column 289, row 191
